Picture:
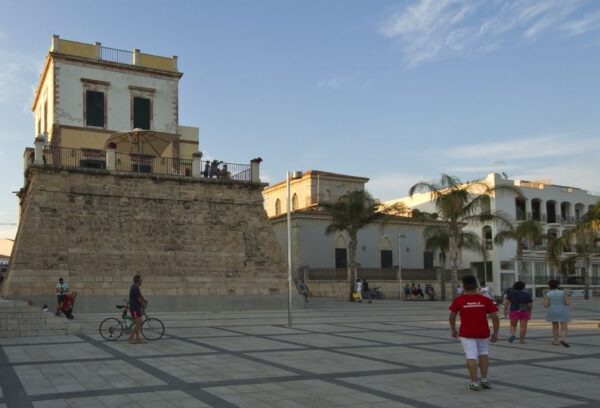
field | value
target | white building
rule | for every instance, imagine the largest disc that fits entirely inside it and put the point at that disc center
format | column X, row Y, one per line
column 322, row 259
column 556, row 207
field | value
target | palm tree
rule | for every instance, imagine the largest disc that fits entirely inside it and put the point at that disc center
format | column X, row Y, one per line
column 437, row 238
column 586, row 236
column 352, row 212
column 525, row 233
column 458, row 204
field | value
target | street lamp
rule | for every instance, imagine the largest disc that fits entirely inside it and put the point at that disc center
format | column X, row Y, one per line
column 400, row 236
column 289, row 176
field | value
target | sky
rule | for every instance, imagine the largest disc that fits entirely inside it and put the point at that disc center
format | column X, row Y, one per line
column 396, row 91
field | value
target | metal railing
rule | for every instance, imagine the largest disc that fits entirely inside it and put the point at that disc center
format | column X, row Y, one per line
column 134, row 163
column 66, row 157
column 116, row 55
column 328, row 274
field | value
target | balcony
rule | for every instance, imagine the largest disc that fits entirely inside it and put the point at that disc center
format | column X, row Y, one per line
column 62, row 157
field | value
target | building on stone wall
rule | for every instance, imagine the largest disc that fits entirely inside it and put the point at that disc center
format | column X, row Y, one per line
column 115, row 187
column 322, row 259
column 556, row 207
column 88, row 92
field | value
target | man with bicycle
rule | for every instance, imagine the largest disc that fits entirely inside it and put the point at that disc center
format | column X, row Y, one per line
column 136, row 303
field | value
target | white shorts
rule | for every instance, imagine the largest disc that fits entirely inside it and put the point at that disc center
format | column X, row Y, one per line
column 475, row 347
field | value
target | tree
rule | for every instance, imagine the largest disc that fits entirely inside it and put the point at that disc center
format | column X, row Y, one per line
column 437, row 238
column 585, row 237
column 352, row 212
column 458, row 204
column 525, row 233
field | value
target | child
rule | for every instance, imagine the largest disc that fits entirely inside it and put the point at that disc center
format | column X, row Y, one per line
column 474, row 331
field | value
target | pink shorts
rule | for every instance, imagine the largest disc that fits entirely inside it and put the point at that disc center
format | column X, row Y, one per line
column 519, row 315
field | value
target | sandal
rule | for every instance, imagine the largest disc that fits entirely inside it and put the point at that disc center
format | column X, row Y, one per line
column 564, row 343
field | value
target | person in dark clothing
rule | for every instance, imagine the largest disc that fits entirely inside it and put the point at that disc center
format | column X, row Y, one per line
column 366, row 290
column 136, row 303
column 520, row 305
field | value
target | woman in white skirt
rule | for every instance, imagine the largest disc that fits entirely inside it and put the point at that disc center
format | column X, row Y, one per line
column 557, row 301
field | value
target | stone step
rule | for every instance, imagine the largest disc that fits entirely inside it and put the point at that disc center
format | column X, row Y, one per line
column 18, row 319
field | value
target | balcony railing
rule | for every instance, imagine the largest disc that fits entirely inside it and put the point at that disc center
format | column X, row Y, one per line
column 116, row 55
column 133, row 163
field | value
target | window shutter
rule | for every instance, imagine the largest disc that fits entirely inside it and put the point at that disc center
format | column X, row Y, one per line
column 141, row 113
column 94, row 105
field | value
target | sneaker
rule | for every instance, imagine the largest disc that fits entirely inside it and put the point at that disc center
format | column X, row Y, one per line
column 511, row 339
column 474, row 386
column 485, row 384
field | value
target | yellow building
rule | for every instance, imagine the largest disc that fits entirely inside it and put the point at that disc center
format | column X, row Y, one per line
column 88, row 94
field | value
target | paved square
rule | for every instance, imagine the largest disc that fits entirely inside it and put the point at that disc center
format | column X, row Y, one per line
column 337, row 354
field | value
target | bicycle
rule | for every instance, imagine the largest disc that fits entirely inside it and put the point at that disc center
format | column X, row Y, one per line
column 112, row 329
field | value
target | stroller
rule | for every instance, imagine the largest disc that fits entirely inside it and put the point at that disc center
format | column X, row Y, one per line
column 67, row 305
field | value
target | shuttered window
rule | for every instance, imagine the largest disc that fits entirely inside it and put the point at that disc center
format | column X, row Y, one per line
column 141, row 113
column 94, row 108
column 386, row 258
column 340, row 258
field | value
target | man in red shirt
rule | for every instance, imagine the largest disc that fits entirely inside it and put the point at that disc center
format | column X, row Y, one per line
column 474, row 331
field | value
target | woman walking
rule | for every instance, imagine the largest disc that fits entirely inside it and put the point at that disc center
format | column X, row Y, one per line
column 520, row 305
column 557, row 301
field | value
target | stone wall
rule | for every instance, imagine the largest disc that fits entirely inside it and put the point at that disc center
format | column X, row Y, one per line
column 390, row 289
column 191, row 240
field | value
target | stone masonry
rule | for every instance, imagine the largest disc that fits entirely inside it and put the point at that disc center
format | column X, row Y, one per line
column 196, row 242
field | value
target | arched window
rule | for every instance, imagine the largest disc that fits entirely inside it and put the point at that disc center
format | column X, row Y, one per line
column 536, row 209
column 385, row 250
column 487, row 237
column 520, row 212
column 341, row 254
column 565, row 212
column 294, row 202
column 277, row 206
column 551, row 211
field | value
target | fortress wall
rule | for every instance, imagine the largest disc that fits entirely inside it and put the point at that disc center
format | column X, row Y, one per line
column 195, row 242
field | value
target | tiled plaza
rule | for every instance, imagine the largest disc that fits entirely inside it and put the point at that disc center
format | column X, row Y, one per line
column 338, row 354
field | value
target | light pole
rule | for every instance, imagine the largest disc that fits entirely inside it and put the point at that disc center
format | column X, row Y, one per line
column 290, row 175
column 400, row 236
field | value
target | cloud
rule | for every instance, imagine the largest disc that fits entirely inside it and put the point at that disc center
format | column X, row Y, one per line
column 389, row 186
column 530, row 148
column 344, row 81
column 430, row 30
column 590, row 22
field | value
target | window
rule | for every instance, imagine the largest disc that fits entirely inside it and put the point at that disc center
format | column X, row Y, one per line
column 487, row 237
column 278, row 207
column 341, row 255
column 428, row 260
column 141, row 113
column 386, row 258
column 506, row 265
column 294, row 202
column 341, row 258
column 94, row 108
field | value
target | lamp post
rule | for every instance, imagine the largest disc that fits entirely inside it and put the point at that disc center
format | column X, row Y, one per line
column 289, row 176
column 400, row 236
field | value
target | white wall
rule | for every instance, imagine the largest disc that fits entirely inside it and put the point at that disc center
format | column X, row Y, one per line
column 69, row 109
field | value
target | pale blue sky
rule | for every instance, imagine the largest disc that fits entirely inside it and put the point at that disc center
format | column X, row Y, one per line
column 397, row 91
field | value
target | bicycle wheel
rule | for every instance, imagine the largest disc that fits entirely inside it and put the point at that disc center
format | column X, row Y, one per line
column 111, row 329
column 153, row 329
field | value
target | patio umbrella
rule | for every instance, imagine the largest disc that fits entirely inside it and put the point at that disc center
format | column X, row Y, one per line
column 142, row 142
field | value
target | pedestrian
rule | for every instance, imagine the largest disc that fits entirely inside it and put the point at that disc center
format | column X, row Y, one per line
column 303, row 289
column 358, row 288
column 474, row 333
column 485, row 290
column 506, row 303
column 520, row 306
column 556, row 301
column 407, row 292
column 366, row 291
column 136, row 304
column 62, row 288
